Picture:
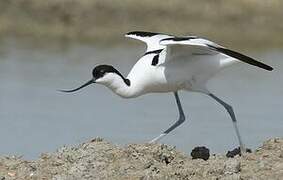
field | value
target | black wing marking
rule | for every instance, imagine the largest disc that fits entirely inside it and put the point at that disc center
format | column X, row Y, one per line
column 180, row 38
column 142, row 33
column 155, row 60
column 153, row 52
column 241, row 57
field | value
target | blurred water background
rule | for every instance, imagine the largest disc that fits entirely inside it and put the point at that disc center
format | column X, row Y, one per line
column 50, row 45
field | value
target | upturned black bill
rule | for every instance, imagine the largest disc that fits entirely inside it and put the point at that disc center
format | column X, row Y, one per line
column 82, row 86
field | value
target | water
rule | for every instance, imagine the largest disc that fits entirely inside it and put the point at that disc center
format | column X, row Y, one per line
column 36, row 118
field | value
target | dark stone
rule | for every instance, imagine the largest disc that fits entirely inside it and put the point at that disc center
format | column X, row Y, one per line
column 200, row 153
column 236, row 151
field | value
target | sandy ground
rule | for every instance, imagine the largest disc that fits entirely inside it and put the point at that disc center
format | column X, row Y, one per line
column 236, row 23
column 99, row 159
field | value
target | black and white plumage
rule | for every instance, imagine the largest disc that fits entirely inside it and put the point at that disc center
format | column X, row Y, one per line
column 171, row 64
column 151, row 39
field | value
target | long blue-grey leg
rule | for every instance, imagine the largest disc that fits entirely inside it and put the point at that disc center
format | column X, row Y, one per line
column 233, row 117
column 176, row 124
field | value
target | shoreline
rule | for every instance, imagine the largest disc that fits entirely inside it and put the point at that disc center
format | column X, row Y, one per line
column 99, row 159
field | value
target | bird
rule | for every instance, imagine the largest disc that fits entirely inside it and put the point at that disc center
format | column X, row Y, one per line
column 171, row 64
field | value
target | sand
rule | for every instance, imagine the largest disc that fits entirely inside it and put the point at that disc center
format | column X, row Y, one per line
column 99, row 159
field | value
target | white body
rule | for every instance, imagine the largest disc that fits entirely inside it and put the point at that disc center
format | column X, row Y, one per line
column 189, row 74
column 170, row 76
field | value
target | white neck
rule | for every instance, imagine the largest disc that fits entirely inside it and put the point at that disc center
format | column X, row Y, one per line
column 117, row 84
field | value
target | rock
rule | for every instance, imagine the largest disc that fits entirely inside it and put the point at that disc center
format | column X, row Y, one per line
column 236, row 151
column 200, row 153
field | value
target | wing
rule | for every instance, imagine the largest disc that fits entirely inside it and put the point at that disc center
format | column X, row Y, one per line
column 192, row 45
column 150, row 38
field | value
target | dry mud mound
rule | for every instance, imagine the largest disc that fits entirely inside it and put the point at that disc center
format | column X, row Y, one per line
column 99, row 159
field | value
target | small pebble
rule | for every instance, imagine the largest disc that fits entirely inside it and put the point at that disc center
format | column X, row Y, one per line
column 236, row 151
column 97, row 139
column 11, row 174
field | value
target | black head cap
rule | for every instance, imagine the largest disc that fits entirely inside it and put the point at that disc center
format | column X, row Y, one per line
column 100, row 70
